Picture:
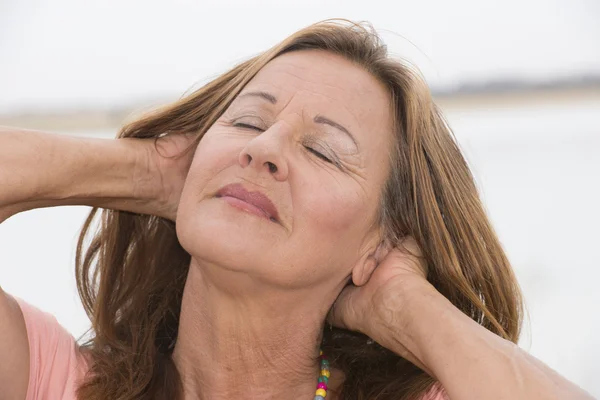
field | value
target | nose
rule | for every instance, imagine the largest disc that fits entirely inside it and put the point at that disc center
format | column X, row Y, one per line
column 266, row 152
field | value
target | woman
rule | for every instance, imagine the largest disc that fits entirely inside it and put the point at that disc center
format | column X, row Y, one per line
column 310, row 198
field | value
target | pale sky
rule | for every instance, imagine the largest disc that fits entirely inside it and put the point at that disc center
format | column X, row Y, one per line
column 70, row 53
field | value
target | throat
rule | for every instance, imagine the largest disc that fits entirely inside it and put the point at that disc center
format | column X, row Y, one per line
column 251, row 348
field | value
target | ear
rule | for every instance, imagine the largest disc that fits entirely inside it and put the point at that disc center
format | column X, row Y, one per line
column 365, row 267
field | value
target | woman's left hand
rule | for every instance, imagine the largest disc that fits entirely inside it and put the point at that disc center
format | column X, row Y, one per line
column 399, row 309
column 370, row 308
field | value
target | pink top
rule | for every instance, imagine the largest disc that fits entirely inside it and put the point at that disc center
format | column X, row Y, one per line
column 56, row 366
column 55, row 362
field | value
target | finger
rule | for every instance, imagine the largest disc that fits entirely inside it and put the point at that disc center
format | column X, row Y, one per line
column 342, row 312
column 333, row 317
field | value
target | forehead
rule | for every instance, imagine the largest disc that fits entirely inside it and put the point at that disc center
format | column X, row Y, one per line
column 322, row 82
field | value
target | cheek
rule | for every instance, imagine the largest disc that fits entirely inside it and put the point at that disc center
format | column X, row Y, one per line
column 333, row 225
column 339, row 212
column 197, row 220
column 212, row 156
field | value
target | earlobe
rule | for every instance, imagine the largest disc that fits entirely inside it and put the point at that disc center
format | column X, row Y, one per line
column 362, row 272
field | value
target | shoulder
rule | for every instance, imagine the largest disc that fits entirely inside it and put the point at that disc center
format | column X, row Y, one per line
column 55, row 360
column 14, row 350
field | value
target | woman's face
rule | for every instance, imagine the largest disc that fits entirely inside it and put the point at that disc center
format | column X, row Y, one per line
column 311, row 132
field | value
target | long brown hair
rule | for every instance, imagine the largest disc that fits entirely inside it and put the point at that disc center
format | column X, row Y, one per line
column 133, row 295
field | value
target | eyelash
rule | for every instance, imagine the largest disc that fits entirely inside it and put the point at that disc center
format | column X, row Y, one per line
column 313, row 151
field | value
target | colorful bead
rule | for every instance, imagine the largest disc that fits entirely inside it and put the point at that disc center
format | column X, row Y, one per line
column 321, row 392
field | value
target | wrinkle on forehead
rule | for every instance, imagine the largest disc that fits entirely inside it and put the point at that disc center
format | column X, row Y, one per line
column 331, row 71
column 331, row 80
column 331, row 85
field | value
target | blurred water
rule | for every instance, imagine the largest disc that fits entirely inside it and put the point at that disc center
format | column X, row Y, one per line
column 538, row 170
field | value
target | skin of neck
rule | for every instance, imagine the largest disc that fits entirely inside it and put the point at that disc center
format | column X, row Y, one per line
column 240, row 337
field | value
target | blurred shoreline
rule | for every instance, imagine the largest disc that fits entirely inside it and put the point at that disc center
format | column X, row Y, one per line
column 489, row 95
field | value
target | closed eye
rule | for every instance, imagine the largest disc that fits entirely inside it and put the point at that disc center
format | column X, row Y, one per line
column 316, row 153
column 247, row 126
column 310, row 149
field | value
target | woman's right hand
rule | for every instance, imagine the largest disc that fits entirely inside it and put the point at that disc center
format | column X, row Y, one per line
column 166, row 161
column 143, row 176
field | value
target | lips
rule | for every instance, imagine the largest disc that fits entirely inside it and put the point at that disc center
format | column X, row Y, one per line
column 256, row 200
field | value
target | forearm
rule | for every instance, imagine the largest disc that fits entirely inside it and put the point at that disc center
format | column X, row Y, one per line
column 40, row 169
column 469, row 361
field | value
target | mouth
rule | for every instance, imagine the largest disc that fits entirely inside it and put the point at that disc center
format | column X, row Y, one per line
column 253, row 202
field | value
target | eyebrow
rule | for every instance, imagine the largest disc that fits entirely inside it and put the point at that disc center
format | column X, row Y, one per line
column 263, row 95
column 319, row 119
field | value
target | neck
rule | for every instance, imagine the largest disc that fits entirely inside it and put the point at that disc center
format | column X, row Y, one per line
column 245, row 339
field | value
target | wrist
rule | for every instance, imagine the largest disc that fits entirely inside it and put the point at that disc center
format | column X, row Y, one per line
column 102, row 173
column 144, row 171
column 404, row 318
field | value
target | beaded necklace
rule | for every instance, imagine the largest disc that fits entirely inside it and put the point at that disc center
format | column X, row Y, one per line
column 321, row 392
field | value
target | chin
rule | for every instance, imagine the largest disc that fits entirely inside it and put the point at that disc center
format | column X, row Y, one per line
column 218, row 233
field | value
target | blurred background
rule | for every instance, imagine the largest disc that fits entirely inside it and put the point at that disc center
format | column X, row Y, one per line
column 519, row 82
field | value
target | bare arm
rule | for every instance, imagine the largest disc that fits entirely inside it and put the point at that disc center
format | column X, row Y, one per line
column 469, row 361
column 40, row 169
